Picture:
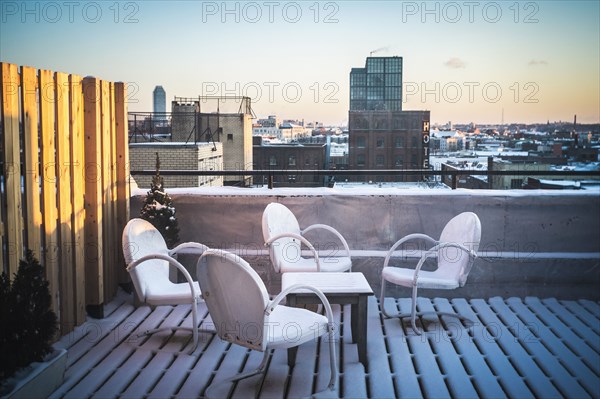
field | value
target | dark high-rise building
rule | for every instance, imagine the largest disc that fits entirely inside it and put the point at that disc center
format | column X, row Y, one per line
column 377, row 86
column 159, row 98
column 381, row 134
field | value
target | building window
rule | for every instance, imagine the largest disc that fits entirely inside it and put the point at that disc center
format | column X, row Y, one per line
column 375, row 65
column 393, row 65
column 393, row 93
column 375, row 79
column 360, row 160
column 399, row 161
column 375, row 93
column 307, row 161
column 358, row 93
column 379, row 160
column 361, row 142
column 229, row 137
column 380, row 142
column 415, row 142
column 380, row 124
column 413, row 161
column 272, row 160
column 358, row 78
column 399, row 142
column 392, row 79
column 292, row 160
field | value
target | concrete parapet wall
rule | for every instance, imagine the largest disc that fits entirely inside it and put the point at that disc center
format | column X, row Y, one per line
column 533, row 242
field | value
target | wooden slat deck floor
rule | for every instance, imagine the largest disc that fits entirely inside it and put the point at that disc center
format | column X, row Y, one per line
column 516, row 348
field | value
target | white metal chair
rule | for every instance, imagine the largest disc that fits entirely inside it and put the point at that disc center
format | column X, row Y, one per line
column 148, row 260
column 284, row 238
column 455, row 252
column 240, row 308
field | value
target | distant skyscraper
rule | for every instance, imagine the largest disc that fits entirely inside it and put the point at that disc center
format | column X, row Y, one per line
column 377, row 86
column 160, row 99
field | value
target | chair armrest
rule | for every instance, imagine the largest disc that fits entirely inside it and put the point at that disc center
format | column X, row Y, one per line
column 303, row 240
column 296, row 287
column 171, row 261
column 415, row 236
column 188, row 247
column 432, row 252
column 331, row 230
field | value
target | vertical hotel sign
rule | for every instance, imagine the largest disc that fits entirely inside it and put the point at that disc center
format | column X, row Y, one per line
column 426, row 139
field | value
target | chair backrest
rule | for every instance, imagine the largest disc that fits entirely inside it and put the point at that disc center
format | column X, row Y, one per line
column 278, row 219
column 235, row 296
column 463, row 229
column 141, row 238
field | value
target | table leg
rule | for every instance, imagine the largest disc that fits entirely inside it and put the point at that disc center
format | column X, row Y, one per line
column 292, row 356
column 359, row 328
column 291, row 352
column 354, row 322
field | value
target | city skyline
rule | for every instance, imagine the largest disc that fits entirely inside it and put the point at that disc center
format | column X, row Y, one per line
column 482, row 62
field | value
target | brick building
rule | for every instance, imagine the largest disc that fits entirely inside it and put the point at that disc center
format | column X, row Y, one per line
column 290, row 157
column 181, row 156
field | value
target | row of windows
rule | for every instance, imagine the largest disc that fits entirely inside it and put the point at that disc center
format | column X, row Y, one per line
column 384, row 79
column 399, row 161
column 273, row 161
column 384, row 65
column 376, row 105
column 377, row 93
column 399, row 142
column 358, row 121
column 358, row 79
column 375, row 79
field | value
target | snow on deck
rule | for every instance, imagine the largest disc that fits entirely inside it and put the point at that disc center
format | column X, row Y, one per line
column 516, row 348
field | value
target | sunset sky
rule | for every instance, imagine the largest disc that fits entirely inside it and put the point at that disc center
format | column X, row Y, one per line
column 463, row 61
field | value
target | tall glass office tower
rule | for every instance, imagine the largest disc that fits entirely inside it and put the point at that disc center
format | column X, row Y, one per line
column 160, row 99
column 377, row 86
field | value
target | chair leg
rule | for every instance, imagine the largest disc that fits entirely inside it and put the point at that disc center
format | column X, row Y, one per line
column 413, row 314
column 382, row 299
column 238, row 377
column 195, row 324
column 332, row 360
column 413, row 311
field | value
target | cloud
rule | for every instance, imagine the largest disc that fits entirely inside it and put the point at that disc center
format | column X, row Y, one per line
column 538, row 62
column 455, row 63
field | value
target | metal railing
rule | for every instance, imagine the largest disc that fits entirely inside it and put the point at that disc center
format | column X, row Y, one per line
column 454, row 175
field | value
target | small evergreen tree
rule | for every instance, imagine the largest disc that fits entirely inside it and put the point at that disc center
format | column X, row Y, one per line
column 29, row 324
column 158, row 209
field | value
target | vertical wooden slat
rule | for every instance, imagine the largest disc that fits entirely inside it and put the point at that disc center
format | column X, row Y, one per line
column 65, row 208
column 94, row 277
column 106, row 188
column 122, row 152
column 33, row 219
column 12, row 164
column 78, row 192
column 47, row 119
column 115, row 234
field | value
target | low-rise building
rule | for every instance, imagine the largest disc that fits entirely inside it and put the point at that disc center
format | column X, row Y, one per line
column 177, row 156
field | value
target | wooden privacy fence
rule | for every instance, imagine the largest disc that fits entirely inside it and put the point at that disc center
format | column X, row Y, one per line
column 65, row 195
